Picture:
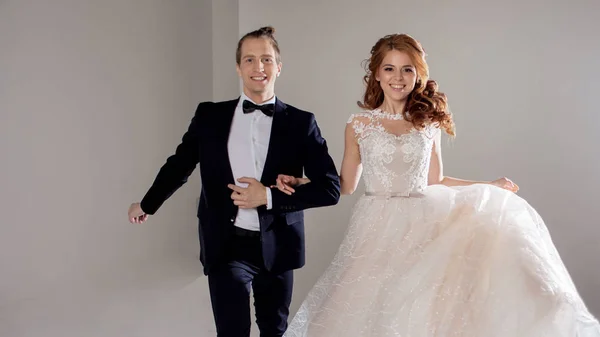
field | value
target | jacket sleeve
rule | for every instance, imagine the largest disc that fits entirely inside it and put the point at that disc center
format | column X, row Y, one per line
column 177, row 168
column 324, row 186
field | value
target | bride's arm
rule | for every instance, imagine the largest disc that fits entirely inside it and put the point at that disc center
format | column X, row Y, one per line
column 436, row 168
column 436, row 171
column 349, row 174
column 351, row 164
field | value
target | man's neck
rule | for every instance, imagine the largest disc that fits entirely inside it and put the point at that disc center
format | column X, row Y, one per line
column 259, row 98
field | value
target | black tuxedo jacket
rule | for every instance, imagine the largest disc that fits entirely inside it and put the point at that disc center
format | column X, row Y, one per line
column 295, row 147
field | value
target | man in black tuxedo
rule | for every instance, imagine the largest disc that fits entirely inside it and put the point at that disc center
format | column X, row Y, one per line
column 251, row 234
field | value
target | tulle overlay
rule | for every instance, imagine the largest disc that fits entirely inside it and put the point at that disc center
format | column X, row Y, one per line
column 435, row 261
column 467, row 261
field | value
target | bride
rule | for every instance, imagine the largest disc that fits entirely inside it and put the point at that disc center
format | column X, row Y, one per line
column 428, row 255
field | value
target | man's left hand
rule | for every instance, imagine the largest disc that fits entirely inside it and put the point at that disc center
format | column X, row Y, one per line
column 253, row 196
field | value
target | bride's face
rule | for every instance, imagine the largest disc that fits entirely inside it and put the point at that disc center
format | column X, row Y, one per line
column 396, row 75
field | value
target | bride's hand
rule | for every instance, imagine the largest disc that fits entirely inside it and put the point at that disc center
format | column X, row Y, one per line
column 506, row 184
column 285, row 183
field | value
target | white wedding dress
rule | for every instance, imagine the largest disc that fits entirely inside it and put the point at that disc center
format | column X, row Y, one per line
column 425, row 261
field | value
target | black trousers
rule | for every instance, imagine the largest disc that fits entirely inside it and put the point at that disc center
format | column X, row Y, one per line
column 230, row 286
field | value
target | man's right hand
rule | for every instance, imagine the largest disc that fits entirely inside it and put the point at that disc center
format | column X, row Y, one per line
column 136, row 215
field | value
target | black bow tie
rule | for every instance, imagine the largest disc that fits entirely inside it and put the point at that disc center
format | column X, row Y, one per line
column 267, row 109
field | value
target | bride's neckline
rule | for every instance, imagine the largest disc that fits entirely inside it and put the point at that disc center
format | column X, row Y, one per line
column 384, row 114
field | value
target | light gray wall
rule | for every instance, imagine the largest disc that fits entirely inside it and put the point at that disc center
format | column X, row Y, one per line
column 522, row 83
column 225, row 37
column 93, row 97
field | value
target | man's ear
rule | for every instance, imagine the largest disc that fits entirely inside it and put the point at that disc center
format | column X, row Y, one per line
column 279, row 66
column 238, row 70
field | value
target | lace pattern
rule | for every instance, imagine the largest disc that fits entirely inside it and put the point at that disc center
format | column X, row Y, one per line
column 379, row 147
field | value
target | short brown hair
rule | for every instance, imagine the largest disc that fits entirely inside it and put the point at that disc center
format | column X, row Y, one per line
column 264, row 32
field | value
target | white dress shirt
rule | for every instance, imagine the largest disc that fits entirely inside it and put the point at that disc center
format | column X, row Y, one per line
column 248, row 146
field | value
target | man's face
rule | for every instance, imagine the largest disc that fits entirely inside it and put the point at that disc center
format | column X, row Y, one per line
column 258, row 68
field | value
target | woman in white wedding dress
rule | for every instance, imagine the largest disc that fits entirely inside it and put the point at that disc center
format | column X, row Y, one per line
column 427, row 255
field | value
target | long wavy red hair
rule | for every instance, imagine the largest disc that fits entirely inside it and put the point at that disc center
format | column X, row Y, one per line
column 425, row 104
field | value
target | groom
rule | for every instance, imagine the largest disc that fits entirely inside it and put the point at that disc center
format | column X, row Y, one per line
column 251, row 235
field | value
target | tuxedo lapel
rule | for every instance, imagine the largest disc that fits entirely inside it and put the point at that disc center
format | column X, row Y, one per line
column 278, row 129
column 224, row 134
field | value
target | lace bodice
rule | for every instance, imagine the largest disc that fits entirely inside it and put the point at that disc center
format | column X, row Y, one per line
column 392, row 164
